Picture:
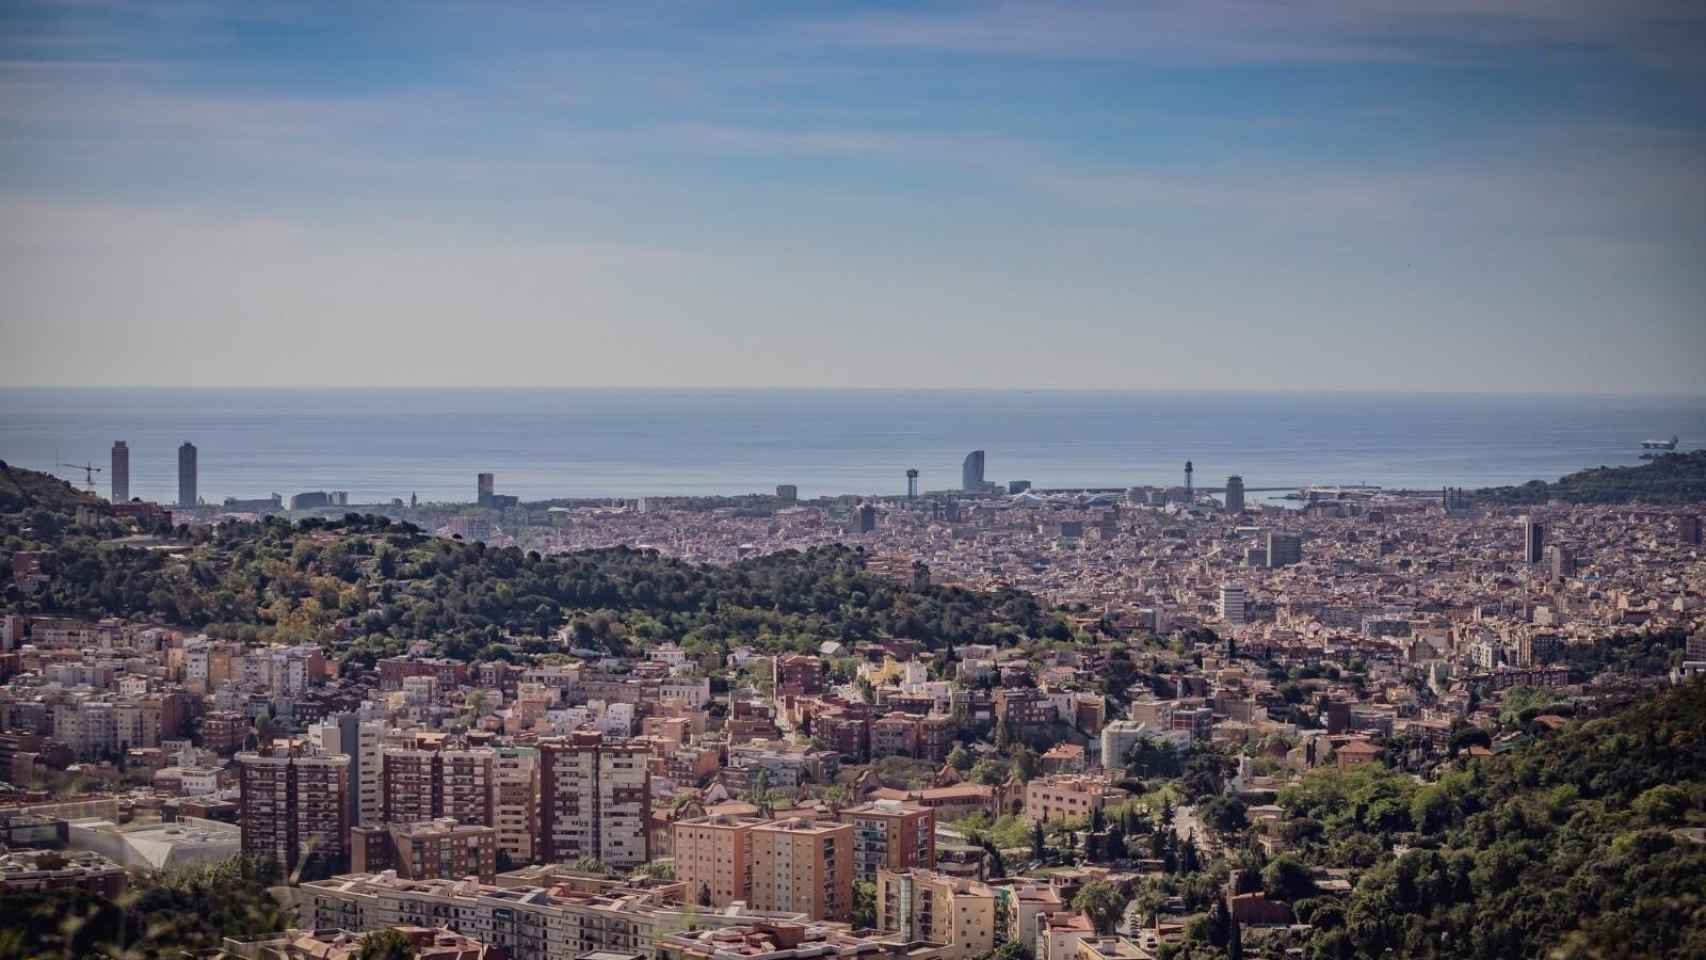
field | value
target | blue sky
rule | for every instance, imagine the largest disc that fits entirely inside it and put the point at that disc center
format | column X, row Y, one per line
column 1455, row 195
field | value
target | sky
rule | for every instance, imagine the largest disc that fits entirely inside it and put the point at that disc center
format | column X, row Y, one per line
column 1451, row 195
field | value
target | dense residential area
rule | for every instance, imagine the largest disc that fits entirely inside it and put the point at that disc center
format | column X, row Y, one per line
column 992, row 723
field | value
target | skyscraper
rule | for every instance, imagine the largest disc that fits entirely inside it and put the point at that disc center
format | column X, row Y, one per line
column 483, row 489
column 864, row 518
column 1234, row 494
column 912, row 483
column 1563, row 562
column 186, row 475
column 971, row 471
column 1534, row 540
column 121, row 472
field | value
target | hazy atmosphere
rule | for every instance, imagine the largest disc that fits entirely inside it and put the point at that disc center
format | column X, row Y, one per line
column 1484, row 197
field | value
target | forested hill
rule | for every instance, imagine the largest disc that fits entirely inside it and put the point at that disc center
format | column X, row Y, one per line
column 1587, row 844
column 1669, row 478
column 364, row 586
column 23, row 490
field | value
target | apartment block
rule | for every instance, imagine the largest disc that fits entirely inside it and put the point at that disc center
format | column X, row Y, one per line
column 1060, row 798
column 803, row 865
column 594, row 800
column 517, row 807
column 713, row 858
column 425, row 851
column 956, row 912
column 890, row 834
column 527, row 923
column 293, row 808
column 430, row 784
column 363, row 742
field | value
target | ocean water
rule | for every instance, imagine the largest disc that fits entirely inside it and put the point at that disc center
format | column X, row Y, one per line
column 379, row 444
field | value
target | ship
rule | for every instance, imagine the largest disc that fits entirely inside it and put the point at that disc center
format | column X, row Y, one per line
column 1659, row 444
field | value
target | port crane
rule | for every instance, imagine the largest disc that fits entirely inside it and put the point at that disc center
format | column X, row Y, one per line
column 89, row 471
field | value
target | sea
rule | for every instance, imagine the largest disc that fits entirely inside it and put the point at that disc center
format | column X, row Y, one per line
column 378, row 444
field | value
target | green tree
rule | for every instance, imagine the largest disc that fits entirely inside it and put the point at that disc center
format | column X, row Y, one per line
column 1039, row 844
column 960, row 758
column 864, row 905
column 1101, row 902
column 385, row 945
column 591, row 865
column 1287, row 878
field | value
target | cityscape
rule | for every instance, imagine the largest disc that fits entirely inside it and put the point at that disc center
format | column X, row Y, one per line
column 946, row 480
column 1158, row 682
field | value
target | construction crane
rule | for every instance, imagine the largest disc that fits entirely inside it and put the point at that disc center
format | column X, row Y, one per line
column 89, row 471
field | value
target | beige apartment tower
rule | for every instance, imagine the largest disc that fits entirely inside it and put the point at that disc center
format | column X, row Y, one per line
column 713, row 858
column 804, row 866
column 957, row 912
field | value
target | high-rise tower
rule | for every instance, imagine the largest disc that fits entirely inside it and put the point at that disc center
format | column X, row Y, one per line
column 1234, row 494
column 912, row 483
column 121, row 472
column 484, row 486
column 1190, row 494
column 186, row 475
column 1533, row 540
column 971, row 471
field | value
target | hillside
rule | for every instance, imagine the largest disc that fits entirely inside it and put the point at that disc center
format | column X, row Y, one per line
column 22, row 490
column 1586, row 843
column 1670, row 478
column 365, row 586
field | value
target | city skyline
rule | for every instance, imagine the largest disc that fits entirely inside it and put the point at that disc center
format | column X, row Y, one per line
column 1470, row 197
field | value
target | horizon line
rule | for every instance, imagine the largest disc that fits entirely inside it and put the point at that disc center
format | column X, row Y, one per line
column 781, row 388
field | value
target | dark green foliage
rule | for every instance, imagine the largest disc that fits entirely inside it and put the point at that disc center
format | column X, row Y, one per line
column 385, row 945
column 1670, row 478
column 170, row 914
column 24, row 490
column 1570, row 844
column 381, row 584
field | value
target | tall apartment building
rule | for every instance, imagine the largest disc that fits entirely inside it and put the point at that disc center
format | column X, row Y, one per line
column 517, row 807
column 121, row 472
column 1284, row 549
column 890, row 834
column 293, row 808
column 803, row 865
column 1233, row 604
column 956, row 912
column 186, row 475
column 363, row 741
column 430, row 784
column 713, row 858
column 424, row 851
column 594, row 800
